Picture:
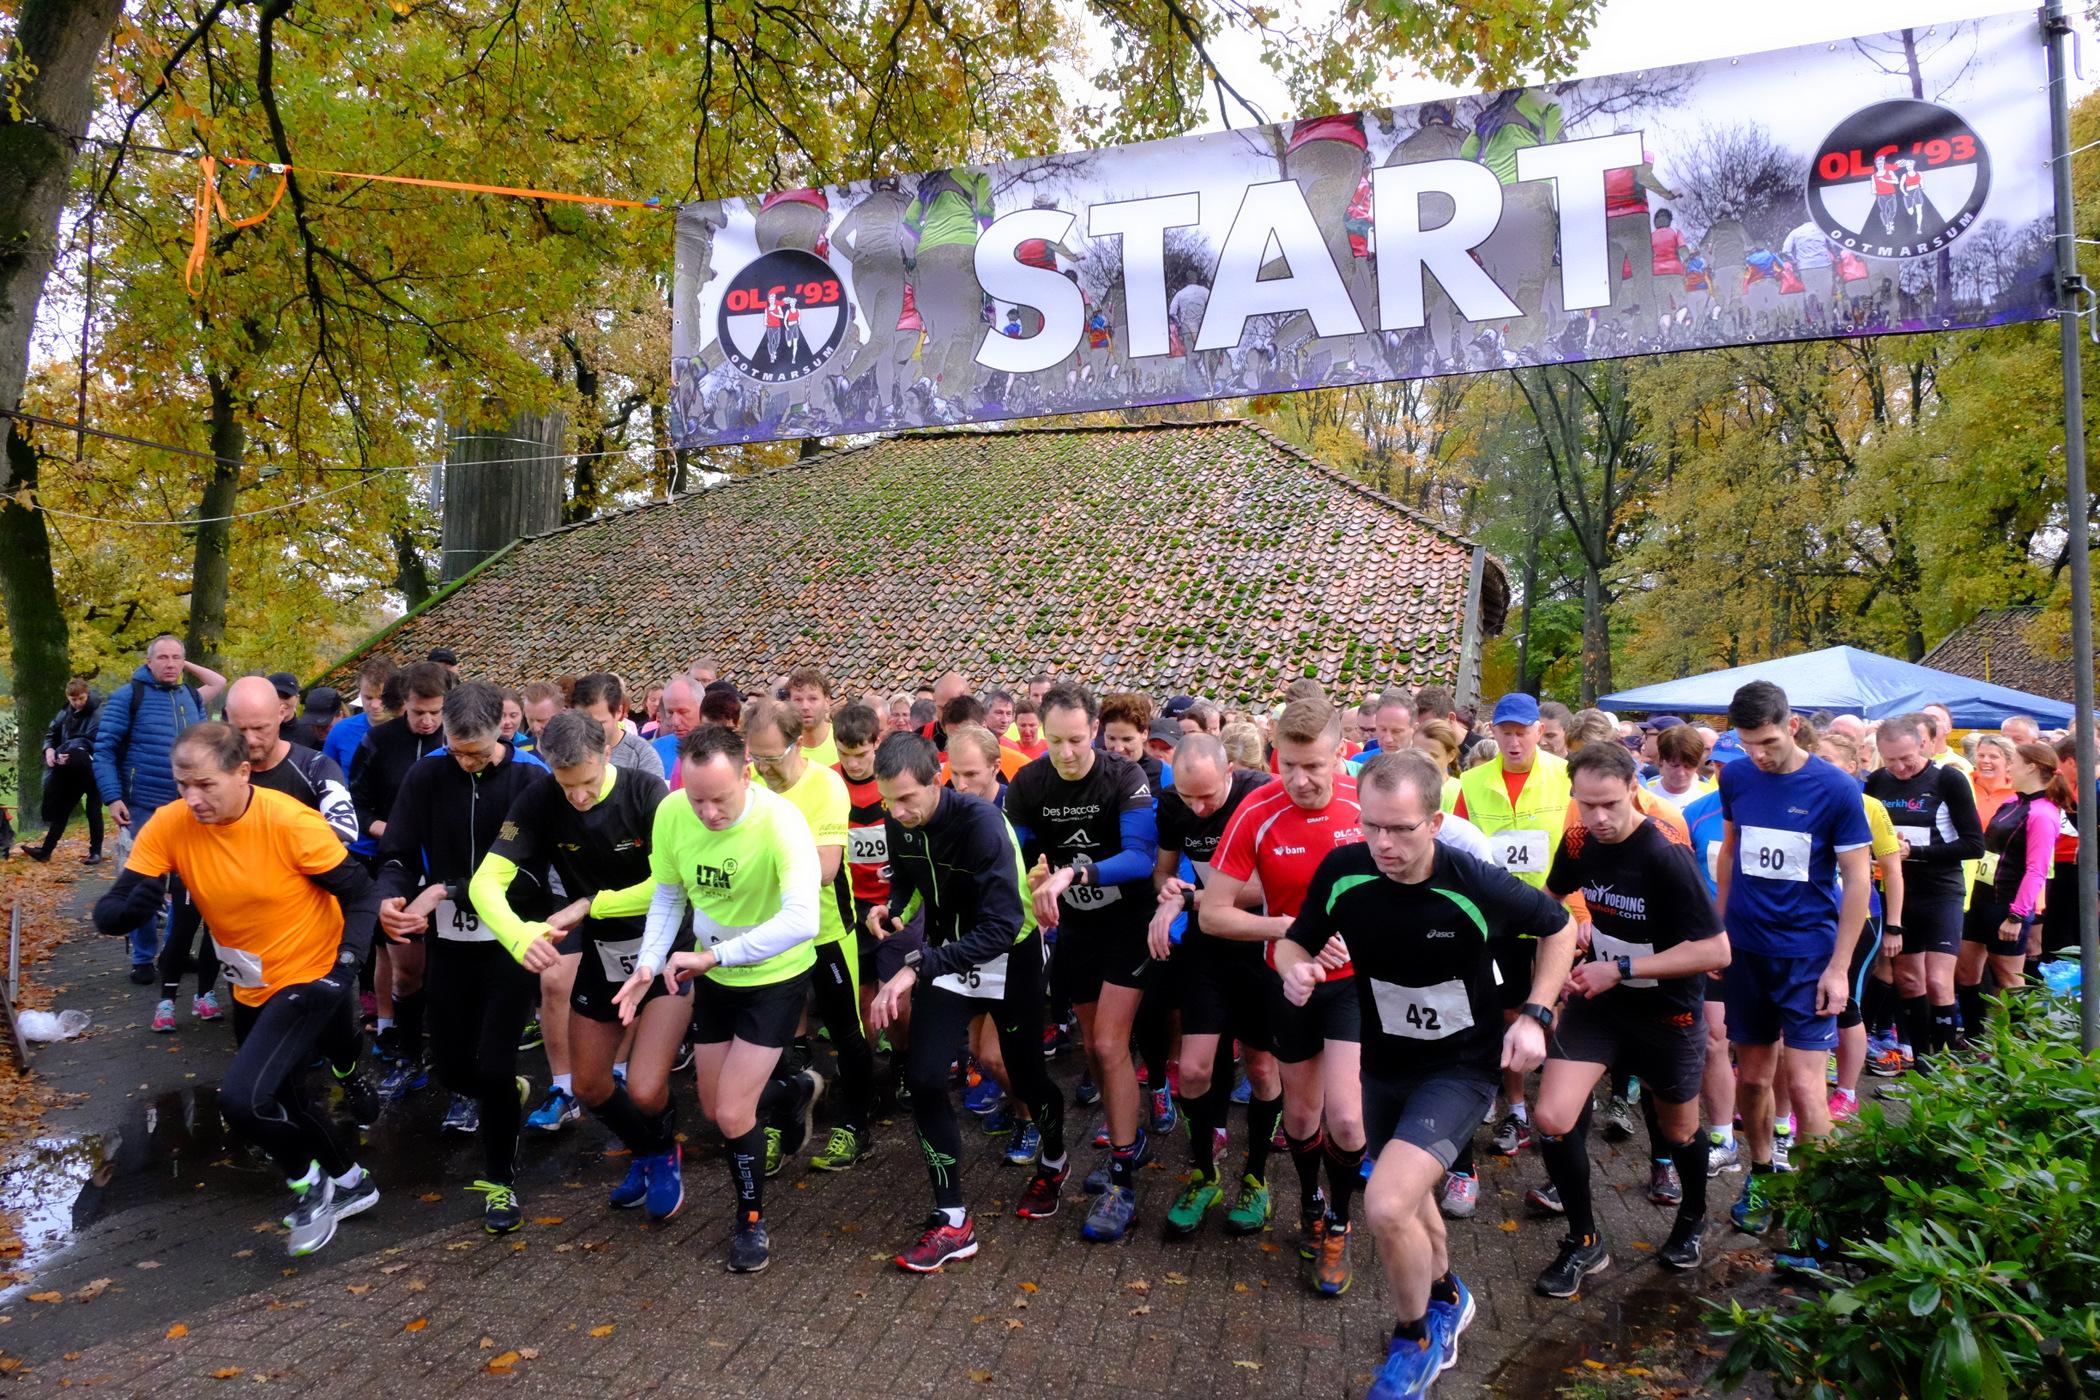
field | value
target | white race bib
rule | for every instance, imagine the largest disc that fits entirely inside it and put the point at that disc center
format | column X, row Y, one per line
column 1078, row 896
column 1423, row 1013
column 1713, row 861
column 986, row 981
column 1987, row 869
column 1522, row 852
column 459, row 923
column 1772, row 854
column 1605, row 948
column 867, row 845
column 243, row 968
column 618, row 959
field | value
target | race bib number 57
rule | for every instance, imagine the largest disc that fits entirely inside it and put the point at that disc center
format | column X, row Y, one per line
column 1769, row 853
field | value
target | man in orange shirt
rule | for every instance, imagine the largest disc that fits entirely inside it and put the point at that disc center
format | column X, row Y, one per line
column 292, row 913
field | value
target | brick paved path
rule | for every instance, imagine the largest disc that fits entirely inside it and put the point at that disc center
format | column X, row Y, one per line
column 413, row 1299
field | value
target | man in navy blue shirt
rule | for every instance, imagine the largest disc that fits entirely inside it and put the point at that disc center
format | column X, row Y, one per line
column 1793, row 824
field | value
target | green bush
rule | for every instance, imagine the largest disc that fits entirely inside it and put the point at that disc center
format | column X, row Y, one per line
column 1969, row 1230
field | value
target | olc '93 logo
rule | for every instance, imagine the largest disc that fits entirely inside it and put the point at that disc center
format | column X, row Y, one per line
column 1899, row 179
column 782, row 316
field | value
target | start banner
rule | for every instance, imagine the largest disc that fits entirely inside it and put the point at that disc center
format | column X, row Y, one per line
column 1893, row 183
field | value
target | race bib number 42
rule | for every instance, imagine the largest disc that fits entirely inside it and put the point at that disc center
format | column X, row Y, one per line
column 1423, row 1013
column 1769, row 853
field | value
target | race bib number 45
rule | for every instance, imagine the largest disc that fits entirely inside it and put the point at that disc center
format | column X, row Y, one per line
column 461, row 924
column 1770, row 853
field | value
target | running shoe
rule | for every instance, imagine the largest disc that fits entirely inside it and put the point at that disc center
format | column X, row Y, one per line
column 205, row 1006
column 1782, row 1149
column 1722, row 1153
column 683, row 1060
column 164, row 1015
column 1752, row 1212
column 998, row 1123
column 1164, row 1115
column 1113, row 1215
column 1056, row 1040
column 749, row 1248
column 1174, row 1078
column 1101, row 1137
column 1512, row 1137
column 386, row 1044
column 1026, row 1146
column 1458, row 1314
column 775, row 1157
column 1545, row 1198
column 1575, row 1262
column 1686, row 1246
column 1888, row 1062
column 1039, row 1199
column 532, row 1037
column 1312, row 1226
column 1252, row 1209
column 1411, row 1366
column 1242, row 1091
column 312, row 1217
column 1087, row 1093
column 843, row 1150
column 634, row 1189
column 463, row 1115
column 1461, row 1195
column 1331, row 1270
column 939, row 1244
column 664, row 1188
column 360, row 1098
column 800, row 1120
column 1665, row 1187
column 1844, row 1106
column 401, row 1081
column 356, row 1197
column 1618, row 1120
column 559, row 1109
column 983, row 1097
column 142, row 975
column 1201, row 1192
column 500, row 1212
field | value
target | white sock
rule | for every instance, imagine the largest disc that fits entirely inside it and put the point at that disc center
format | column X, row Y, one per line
column 1520, row 1111
column 564, row 1083
column 621, row 1069
column 350, row 1178
column 954, row 1215
column 1051, row 1164
column 1725, row 1135
column 313, row 1174
column 1785, row 1126
column 381, row 1023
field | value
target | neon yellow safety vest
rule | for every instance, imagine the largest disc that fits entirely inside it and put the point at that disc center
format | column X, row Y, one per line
column 1525, row 835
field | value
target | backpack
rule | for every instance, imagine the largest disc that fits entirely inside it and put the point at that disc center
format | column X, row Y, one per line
column 138, row 697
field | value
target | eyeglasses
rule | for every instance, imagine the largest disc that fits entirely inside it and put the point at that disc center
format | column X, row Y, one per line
column 768, row 758
column 1371, row 829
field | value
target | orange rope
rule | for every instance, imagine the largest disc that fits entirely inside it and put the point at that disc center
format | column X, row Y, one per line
column 208, row 198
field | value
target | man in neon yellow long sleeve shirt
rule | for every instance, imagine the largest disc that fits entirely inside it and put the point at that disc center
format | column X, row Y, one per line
column 591, row 822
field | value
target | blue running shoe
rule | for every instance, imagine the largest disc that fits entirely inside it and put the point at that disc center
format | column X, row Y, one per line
column 635, row 1189
column 998, row 1123
column 558, row 1109
column 1410, row 1366
column 1243, row 1092
column 1459, row 1314
column 666, row 1183
column 1026, row 1147
column 1088, row 1093
column 983, row 1097
column 1113, row 1215
column 1752, row 1212
column 401, row 1081
column 1165, row 1117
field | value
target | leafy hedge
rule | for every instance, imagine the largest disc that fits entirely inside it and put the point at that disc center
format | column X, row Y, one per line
column 1970, row 1232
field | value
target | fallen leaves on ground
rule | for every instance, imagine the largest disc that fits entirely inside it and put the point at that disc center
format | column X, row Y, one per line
column 179, row 1330
column 415, row 1324
column 604, row 1329
column 51, row 1297
column 1029, row 1288
column 502, row 1365
column 1248, row 1365
column 981, row 1377
column 92, row 1290
column 1176, row 1278
column 225, row 1373
column 357, row 1290
column 546, row 1220
column 1508, row 1227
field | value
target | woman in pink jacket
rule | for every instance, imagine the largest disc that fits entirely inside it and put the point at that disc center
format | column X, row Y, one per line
column 2019, row 843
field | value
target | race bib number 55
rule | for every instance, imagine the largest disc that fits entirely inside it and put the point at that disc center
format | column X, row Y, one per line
column 1769, row 853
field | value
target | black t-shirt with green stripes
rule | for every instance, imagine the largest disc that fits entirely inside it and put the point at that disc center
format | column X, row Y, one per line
column 1424, row 953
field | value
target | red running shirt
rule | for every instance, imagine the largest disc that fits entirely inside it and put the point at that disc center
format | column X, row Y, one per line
column 1273, row 837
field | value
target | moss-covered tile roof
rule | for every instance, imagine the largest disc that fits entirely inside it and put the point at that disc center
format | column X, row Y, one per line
column 1207, row 558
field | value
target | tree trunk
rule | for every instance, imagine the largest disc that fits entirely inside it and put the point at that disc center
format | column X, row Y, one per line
column 501, row 486
column 209, row 574
column 1596, row 637
column 590, row 447
column 35, row 625
column 411, row 573
column 53, row 57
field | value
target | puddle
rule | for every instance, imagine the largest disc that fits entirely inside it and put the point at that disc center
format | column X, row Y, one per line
column 1614, row 1335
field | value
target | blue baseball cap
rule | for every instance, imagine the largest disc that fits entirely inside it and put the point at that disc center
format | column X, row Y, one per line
column 1727, row 749
column 1516, row 708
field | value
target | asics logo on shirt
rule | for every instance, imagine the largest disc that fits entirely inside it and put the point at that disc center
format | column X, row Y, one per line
column 1797, row 811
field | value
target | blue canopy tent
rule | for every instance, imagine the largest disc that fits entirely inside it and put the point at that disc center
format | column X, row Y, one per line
column 1847, row 681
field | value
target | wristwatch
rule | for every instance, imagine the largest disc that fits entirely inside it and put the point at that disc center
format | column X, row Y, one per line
column 1625, row 968
column 912, row 960
column 1541, row 1014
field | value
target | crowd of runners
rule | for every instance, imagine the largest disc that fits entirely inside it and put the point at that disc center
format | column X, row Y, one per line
column 1357, row 936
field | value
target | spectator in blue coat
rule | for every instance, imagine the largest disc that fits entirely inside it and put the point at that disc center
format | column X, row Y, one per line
column 140, row 722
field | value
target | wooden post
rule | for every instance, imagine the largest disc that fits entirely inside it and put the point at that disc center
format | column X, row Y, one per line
column 500, row 485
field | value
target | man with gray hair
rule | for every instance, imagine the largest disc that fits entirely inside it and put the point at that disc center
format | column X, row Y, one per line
column 2021, row 729
column 679, row 706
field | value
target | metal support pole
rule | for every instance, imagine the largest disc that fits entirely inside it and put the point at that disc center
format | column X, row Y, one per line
column 2070, row 291
column 14, row 955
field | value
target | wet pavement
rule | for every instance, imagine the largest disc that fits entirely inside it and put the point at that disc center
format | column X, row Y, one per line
column 157, row 1234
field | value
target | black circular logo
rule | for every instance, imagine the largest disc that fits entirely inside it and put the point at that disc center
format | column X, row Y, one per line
column 782, row 316
column 1899, row 179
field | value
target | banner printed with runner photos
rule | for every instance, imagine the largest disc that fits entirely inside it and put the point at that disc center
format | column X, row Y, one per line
column 1799, row 194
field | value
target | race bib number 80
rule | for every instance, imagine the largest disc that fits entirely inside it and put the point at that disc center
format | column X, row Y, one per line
column 1770, row 853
